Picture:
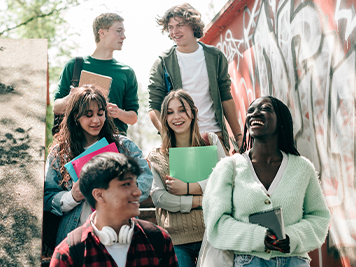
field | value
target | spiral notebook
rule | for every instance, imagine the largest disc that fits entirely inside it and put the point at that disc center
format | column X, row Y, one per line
column 271, row 219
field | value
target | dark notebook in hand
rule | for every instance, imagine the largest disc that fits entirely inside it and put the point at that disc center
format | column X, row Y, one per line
column 271, row 219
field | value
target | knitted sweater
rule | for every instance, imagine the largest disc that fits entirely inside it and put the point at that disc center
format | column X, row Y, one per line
column 305, row 214
column 182, row 223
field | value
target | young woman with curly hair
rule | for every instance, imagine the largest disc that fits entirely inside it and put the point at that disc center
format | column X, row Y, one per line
column 85, row 123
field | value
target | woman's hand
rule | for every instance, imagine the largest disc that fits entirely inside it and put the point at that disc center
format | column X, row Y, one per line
column 272, row 243
column 77, row 195
column 176, row 186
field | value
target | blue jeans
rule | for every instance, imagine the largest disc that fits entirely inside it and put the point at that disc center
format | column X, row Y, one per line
column 252, row 261
column 187, row 254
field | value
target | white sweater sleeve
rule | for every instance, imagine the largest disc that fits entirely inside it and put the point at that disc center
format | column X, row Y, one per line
column 310, row 232
column 162, row 199
column 67, row 202
column 224, row 231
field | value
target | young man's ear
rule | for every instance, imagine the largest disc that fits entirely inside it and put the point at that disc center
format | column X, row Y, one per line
column 98, row 195
column 102, row 33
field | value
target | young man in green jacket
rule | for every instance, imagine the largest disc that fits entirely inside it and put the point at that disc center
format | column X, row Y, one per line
column 200, row 69
column 109, row 32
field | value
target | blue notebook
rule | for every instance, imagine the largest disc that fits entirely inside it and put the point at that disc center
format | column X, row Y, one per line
column 101, row 143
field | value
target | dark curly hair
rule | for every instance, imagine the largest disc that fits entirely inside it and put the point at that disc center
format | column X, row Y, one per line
column 284, row 128
column 102, row 169
column 68, row 142
column 190, row 16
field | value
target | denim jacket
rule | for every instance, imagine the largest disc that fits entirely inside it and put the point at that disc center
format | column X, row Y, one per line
column 53, row 192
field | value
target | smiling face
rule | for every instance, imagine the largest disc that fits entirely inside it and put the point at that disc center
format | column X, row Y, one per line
column 121, row 198
column 181, row 33
column 114, row 36
column 179, row 117
column 261, row 119
column 92, row 121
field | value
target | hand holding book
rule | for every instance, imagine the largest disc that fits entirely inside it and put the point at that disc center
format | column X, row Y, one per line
column 175, row 186
column 272, row 243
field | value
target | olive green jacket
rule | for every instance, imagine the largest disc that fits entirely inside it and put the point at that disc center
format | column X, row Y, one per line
column 219, row 81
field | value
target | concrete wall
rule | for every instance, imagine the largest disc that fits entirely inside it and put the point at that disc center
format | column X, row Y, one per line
column 23, row 82
column 302, row 52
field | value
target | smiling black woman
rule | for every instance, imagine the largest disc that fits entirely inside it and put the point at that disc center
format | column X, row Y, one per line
column 268, row 174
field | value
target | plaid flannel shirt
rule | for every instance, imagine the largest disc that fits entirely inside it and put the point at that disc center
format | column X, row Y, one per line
column 140, row 253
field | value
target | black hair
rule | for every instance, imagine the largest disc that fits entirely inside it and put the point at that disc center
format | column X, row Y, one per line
column 101, row 169
column 284, row 128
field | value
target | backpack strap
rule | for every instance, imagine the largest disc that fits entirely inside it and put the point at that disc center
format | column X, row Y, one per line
column 78, row 64
column 76, row 247
column 206, row 138
column 74, row 82
column 155, row 237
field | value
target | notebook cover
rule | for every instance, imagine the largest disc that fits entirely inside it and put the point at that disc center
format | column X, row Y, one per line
column 192, row 164
column 104, row 82
column 101, row 143
column 271, row 219
column 79, row 163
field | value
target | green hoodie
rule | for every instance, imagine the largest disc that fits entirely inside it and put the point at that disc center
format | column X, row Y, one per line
column 219, row 81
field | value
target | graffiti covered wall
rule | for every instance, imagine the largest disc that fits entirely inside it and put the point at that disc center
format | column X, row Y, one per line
column 302, row 52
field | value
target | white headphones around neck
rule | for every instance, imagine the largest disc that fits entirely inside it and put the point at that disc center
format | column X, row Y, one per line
column 108, row 236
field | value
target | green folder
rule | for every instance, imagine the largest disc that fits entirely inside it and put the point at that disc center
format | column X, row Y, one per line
column 192, row 164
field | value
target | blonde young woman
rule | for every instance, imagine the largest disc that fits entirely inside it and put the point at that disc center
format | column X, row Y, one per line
column 178, row 203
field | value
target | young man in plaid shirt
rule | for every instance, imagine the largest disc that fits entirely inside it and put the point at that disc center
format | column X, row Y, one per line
column 112, row 236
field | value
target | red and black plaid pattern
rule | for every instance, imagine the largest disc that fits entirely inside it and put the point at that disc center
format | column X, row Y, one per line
column 141, row 252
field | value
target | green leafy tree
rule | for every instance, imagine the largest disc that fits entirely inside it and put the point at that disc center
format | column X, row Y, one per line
column 41, row 19
column 143, row 133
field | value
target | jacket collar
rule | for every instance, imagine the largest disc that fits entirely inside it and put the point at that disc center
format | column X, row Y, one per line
column 206, row 48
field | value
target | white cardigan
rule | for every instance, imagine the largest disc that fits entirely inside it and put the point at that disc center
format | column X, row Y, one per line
column 305, row 213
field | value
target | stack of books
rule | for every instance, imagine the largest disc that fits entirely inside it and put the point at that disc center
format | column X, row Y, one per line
column 75, row 166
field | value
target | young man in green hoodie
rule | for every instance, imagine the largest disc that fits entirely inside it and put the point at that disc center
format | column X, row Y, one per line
column 200, row 69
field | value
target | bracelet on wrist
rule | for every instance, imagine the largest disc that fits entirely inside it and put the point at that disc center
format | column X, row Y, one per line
column 235, row 136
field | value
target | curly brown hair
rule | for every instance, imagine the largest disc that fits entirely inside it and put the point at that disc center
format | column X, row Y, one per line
column 68, row 142
column 190, row 17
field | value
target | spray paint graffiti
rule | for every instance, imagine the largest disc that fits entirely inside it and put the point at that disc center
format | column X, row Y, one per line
column 303, row 52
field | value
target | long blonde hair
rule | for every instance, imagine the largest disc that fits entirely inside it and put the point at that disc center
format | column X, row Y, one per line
column 168, row 136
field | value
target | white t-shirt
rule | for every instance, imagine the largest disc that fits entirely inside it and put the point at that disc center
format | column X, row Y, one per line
column 118, row 251
column 195, row 81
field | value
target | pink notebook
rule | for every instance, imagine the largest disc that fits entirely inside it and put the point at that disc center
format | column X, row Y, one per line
column 79, row 163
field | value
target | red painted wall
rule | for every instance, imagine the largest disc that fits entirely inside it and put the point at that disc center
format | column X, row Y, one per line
column 302, row 52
